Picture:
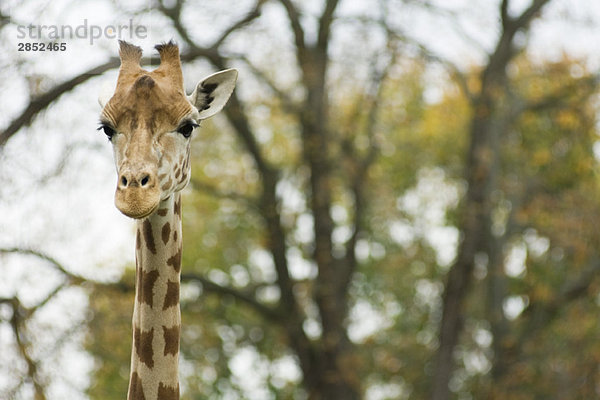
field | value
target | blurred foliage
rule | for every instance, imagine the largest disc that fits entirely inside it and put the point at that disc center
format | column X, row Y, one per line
column 109, row 338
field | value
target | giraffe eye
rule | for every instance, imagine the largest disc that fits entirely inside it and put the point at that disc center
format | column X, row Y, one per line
column 108, row 131
column 187, row 129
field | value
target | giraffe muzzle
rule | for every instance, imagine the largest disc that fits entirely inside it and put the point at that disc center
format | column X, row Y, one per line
column 138, row 192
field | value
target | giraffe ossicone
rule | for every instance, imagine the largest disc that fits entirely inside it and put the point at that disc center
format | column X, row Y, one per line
column 150, row 121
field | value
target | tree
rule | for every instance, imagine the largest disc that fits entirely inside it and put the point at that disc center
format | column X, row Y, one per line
column 491, row 117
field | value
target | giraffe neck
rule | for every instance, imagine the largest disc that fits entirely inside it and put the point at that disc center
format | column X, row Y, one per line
column 156, row 313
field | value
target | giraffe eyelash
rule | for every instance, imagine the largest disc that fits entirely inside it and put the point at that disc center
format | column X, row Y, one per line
column 187, row 128
column 108, row 130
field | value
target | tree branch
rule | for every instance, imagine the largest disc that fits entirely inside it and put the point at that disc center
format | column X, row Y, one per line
column 174, row 14
column 539, row 314
column 73, row 278
column 504, row 51
column 210, row 286
column 251, row 16
column 361, row 165
column 211, row 190
column 297, row 29
column 448, row 65
column 286, row 101
column 325, row 24
column 505, row 18
column 20, row 313
column 41, row 102
column 559, row 97
column 237, row 117
column 528, row 15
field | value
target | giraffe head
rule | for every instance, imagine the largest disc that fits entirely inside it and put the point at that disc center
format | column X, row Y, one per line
column 149, row 121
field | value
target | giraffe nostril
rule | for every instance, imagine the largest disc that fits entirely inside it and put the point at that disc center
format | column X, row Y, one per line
column 145, row 180
column 124, row 181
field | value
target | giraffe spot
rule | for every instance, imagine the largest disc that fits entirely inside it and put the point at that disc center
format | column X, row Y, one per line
column 136, row 391
column 177, row 173
column 172, row 296
column 148, row 237
column 168, row 393
column 166, row 231
column 171, row 336
column 145, row 284
column 167, row 185
column 143, row 346
column 175, row 261
column 162, row 212
column 177, row 207
column 175, row 235
column 138, row 240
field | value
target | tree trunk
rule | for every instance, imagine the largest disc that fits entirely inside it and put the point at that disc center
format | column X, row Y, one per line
column 488, row 121
column 338, row 378
column 481, row 171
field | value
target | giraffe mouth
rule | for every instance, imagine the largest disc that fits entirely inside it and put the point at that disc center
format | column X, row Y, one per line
column 140, row 215
column 137, row 203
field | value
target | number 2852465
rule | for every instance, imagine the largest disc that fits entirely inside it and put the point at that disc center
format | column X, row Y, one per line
column 50, row 46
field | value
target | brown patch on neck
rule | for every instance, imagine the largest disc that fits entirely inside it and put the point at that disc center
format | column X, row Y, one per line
column 148, row 237
column 167, row 184
column 145, row 286
column 143, row 346
column 172, row 296
column 177, row 207
column 136, row 391
column 166, row 231
column 167, row 392
column 171, row 336
column 175, row 261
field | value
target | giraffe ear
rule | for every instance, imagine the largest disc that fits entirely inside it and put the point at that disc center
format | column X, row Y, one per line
column 212, row 93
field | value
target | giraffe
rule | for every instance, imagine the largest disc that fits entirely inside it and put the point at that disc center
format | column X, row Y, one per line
column 149, row 121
